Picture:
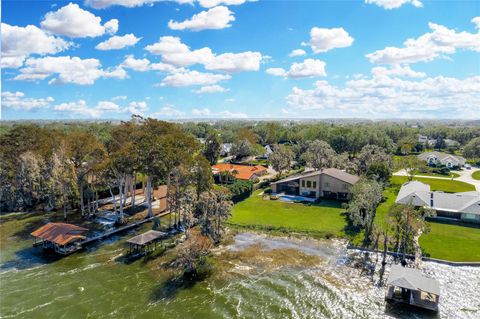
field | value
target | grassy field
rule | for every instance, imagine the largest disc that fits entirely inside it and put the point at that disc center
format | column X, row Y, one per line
column 322, row 220
column 451, row 242
column 450, row 174
column 476, row 175
column 445, row 185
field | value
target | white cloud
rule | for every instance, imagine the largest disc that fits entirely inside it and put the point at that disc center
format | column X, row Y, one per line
column 307, row 68
column 173, row 51
column 102, row 4
column 119, row 97
column 138, row 108
column 118, row 42
column 18, row 101
column 78, row 108
column 74, row 22
column 214, row 3
column 394, row 4
column 20, row 42
column 108, row 106
column 206, row 112
column 390, row 96
column 297, row 52
column 193, row 78
column 323, row 40
column 215, row 18
column 144, row 64
column 66, row 69
column 476, row 21
column 211, row 89
column 168, row 111
column 397, row 70
column 438, row 43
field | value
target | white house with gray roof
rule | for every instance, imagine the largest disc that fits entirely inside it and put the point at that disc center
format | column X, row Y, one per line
column 439, row 158
column 329, row 183
column 463, row 206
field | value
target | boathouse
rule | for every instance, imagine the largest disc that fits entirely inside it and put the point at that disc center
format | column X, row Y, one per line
column 410, row 286
column 63, row 238
column 143, row 242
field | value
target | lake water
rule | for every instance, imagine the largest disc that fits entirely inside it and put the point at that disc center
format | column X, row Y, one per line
column 257, row 277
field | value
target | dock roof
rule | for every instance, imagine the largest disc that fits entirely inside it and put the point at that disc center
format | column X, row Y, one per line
column 412, row 279
column 146, row 237
column 60, row 233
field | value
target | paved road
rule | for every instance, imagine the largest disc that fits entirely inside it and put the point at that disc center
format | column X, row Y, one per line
column 465, row 176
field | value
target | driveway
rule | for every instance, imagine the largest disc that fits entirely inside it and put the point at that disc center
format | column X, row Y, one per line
column 465, row 176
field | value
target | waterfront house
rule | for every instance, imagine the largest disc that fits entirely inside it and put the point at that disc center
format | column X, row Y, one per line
column 61, row 237
column 463, row 206
column 329, row 183
column 410, row 286
column 439, row 158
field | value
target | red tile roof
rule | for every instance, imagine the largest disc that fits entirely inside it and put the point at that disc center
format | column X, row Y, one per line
column 60, row 233
column 244, row 172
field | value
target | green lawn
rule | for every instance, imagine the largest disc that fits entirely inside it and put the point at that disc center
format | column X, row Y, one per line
column 451, row 174
column 446, row 185
column 451, row 242
column 324, row 219
column 476, row 175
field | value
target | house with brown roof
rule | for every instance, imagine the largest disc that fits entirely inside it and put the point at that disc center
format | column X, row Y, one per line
column 231, row 172
column 328, row 183
column 61, row 237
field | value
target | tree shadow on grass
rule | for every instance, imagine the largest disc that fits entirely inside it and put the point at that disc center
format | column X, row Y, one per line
column 349, row 229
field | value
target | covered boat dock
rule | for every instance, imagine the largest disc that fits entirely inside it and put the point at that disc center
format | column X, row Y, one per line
column 61, row 237
column 144, row 242
column 410, row 286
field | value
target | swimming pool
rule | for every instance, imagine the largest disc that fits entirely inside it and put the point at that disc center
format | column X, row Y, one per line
column 292, row 198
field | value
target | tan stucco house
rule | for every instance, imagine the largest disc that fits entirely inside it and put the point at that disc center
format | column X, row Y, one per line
column 329, row 183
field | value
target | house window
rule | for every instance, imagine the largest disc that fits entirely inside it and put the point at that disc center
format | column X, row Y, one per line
column 303, row 183
column 309, row 184
column 314, row 184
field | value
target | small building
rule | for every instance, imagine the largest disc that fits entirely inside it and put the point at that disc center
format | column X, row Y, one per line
column 267, row 152
column 422, row 139
column 410, row 286
column 237, row 171
column 439, row 158
column 464, row 206
column 225, row 149
column 328, row 183
column 61, row 237
column 143, row 242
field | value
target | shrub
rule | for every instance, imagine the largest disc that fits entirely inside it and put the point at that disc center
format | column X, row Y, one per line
column 240, row 190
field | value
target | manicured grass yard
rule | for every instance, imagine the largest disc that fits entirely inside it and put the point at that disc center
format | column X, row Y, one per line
column 451, row 242
column 476, row 175
column 445, row 185
column 324, row 219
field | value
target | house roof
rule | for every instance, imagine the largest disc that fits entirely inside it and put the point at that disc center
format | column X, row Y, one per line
column 333, row 172
column 146, row 237
column 59, row 233
column 412, row 279
column 440, row 156
column 419, row 194
column 244, row 172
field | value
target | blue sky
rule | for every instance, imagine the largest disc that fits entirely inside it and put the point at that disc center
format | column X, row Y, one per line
column 233, row 59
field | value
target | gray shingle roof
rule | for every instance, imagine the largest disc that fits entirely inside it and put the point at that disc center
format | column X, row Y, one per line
column 440, row 156
column 412, row 279
column 334, row 172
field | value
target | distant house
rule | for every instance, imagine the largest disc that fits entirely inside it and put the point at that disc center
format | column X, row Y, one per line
column 237, row 171
column 463, row 206
column 329, row 183
column 422, row 139
column 410, row 286
column 225, row 149
column 439, row 158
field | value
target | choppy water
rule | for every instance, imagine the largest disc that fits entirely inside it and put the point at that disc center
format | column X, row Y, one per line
column 258, row 277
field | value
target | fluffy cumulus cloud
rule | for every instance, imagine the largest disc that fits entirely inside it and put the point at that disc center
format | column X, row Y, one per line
column 297, row 52
column 323, row 40
column 18, row 101
column 137, row 108
column 20, row 42
column 108, row 106
column 211, row 89
column 214, row 3
column 102, row 4
column 440, row 42
column 173, row 51
column 305, row 69
column 118, row 42
column 81, row 108
column 77, row 109
column 144, row 64
column 387, row 95
column 66, row 69
column 394, row 4
column 207, row 113
column 168, row 111
column 190, row 78
column 74, row 22
column 397, row 70
column 215, row 18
